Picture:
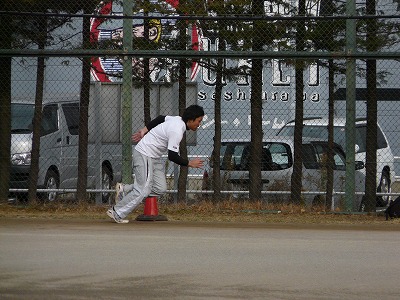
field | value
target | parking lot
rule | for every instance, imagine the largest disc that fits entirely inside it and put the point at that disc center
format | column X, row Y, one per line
column 87, row 259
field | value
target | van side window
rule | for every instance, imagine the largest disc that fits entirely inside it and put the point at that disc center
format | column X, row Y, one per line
column 281, row 156
column 339, row 161
column 49, row 119
column 361, row 137
column 316, row 157
column 71, row 112
column 232, row 156
column 274, row 156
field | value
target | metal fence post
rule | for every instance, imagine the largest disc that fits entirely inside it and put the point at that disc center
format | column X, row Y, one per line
column 127, row 96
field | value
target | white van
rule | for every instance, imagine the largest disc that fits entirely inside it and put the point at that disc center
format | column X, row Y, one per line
column 58, row 161
column 318, row 128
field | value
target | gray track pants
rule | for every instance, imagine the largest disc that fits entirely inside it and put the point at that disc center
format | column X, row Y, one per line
column 149, row 181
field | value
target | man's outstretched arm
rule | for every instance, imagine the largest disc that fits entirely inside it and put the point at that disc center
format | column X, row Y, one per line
column 176, row 158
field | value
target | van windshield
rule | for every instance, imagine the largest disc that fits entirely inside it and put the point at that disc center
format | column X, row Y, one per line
column 21, row 117
column 321, row 132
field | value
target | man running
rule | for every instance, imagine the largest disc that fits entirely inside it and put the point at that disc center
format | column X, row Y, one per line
column 160, row 136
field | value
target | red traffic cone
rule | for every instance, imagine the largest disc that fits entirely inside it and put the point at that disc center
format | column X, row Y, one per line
column 151, row 211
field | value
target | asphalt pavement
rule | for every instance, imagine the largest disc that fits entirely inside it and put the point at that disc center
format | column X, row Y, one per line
column 98, row 259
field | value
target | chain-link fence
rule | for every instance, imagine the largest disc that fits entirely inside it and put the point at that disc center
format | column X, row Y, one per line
column 301, row 98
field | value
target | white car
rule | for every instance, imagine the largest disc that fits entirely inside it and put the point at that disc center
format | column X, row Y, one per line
column 277, row 168
column 318, row 128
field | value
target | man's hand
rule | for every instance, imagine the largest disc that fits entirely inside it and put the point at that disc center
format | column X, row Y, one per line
column 137, row 136
column 196, row 163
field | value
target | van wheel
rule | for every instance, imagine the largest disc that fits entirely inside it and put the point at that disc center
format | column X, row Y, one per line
column 51, row 182
column 384, row 187
column 106, row 183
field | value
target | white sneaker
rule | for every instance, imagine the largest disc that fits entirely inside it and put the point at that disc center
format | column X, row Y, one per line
column 119, row 192
column 113, row 215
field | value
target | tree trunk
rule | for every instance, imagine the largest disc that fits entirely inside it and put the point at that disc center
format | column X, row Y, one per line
column 81, row 195
column 146, row 75
column 372, row 112
column 256, row 110
column 37, row 119
column 296, row 182
column 329, row 175
column 5, row 103
column 327, row 10
column 216, row 178
column 183, row 171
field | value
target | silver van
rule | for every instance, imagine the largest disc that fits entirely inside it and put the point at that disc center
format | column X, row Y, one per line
column 318, row 128
column 277, row 169
column 58, row 161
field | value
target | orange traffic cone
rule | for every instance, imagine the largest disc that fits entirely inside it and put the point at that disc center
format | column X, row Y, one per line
column 151, row 211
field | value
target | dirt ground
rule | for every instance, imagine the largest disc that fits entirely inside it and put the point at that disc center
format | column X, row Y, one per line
column 206, row 212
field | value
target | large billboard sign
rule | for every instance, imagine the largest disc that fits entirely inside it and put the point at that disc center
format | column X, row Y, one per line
column 279, row 79
column 108, row 31
column 278, row 76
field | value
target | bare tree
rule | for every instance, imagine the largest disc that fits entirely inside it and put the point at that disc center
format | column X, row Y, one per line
column 320, row 30
column 296, row 181
column 256, row 107
column 183, row 171
column 37, row 119
column 5, row 99
column 219, row 8
column 81, row 195
column 372, row 110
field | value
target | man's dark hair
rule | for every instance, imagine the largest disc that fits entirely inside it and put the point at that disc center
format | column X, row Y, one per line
column 192, row 112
